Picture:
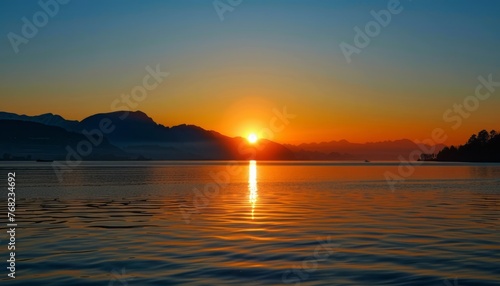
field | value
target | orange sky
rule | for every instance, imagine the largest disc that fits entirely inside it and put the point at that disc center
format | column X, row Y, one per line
column 229, row 76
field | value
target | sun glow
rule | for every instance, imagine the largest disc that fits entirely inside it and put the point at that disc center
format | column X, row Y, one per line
column 252, row 138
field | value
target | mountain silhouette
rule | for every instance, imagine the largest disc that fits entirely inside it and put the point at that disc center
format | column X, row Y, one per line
column 135, row 135
column 345, row 150
column 138, row 128
column 46, row 119
column 129, row 135
column 140, row 135
column 26, row 140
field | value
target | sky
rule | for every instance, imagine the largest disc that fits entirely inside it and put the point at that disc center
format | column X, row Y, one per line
column 229, row 69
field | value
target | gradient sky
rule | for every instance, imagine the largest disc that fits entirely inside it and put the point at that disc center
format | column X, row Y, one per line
column 229, row 75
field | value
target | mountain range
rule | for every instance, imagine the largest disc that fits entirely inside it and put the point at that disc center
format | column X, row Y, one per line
column 124, row 135
column 345, row 150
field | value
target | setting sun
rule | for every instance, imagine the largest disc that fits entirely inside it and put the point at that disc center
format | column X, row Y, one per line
column 252, row 138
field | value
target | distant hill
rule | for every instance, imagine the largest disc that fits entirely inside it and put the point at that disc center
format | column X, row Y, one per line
column 135, row 135
column 139, row 134
column 483, row 147
column 345, row 150
column 137, row 128
column 46, row 119
column 301, row 154
column 25, row 140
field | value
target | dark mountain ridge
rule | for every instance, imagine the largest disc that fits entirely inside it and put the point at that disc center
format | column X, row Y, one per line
column 128, row 135
column 345, row 150
column 134, row 134
column 27, row 140
column 46, row 119
column 137, row 128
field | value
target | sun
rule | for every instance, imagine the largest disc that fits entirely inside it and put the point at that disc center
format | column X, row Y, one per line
column 252, row 138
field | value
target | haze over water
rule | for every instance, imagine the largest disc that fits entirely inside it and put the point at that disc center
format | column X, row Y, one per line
column 112, row 223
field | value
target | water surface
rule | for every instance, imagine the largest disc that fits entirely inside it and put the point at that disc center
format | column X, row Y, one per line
column 256, row 223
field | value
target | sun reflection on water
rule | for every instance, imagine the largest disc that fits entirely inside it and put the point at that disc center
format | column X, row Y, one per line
column 252, row 184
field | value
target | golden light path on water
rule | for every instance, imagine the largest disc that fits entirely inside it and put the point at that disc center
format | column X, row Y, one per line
column 252, row 184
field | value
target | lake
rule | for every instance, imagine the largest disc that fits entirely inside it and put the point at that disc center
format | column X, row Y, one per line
column 254, row 223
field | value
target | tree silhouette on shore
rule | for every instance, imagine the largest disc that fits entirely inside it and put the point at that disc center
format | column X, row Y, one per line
column 481, row 147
